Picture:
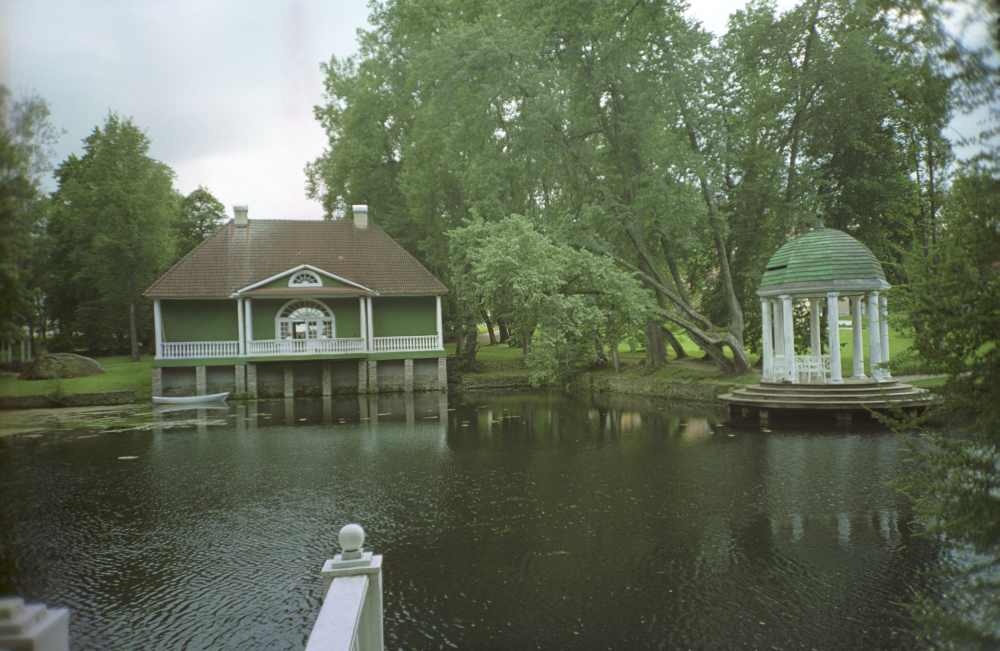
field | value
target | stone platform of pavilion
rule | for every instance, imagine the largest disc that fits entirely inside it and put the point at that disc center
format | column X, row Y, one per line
column 843, row 401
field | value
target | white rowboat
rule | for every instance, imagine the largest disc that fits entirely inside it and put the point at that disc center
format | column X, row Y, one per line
column 189, row 400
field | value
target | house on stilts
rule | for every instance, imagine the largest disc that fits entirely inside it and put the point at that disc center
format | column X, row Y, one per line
column 285, row 307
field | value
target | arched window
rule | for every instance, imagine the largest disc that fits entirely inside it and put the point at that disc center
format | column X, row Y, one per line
column 304, row 279
column 305, row 320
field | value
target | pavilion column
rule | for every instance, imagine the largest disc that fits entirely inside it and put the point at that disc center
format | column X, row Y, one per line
column 767, row 351
column 814, row 310
column 158, row 329
column 858, row 370
column 788, row 332
column 239, row 326
column 883, row 324
column 778, row 328
column 833, row 336
column 874, row 336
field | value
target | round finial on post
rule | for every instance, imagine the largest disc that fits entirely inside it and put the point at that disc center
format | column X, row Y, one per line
column 352, row 538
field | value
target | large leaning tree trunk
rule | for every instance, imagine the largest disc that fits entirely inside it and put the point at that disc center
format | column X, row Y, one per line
column 706, row 335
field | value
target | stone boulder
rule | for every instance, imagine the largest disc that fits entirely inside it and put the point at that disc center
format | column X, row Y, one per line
column 60, row 365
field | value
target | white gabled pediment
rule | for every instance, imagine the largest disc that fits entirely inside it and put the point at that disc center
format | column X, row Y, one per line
column 302, row 267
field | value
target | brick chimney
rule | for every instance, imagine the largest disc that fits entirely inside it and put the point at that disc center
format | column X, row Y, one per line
column 240, row 219
column 360, row 211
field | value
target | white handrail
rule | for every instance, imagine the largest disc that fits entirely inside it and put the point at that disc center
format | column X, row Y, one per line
column 350, row 618
column 199, row 349
column 405, row 344
column 340, row 616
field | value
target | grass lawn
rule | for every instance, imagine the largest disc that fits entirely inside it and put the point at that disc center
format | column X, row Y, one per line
column 121, row 374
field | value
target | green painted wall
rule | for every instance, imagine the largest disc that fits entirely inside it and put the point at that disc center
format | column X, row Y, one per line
column 346, row 312
column 393, row 317
column 283, row 282
column 199, row 320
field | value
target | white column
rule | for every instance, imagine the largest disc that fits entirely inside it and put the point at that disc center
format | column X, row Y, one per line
column 788, row 330
column 883, row 324
column 248, row 322
column 362, row 327
column 767, row 352
column 814, row 327
column 239, row 326
column 440, row 332
column 369, row 321
column 778, row 324
column 833, row 336
column 858, row 370
column 158, row 328
column 874, row 336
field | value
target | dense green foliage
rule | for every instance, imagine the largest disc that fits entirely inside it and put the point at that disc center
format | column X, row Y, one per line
column 561, row 302
column 73, row 265
column 25, row 135
column 110, row 229
column 200, row 214
column 954, row 301
column 626, row 129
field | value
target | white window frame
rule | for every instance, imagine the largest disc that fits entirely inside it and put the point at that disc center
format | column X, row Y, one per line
column 280, row 319
column 313, row 282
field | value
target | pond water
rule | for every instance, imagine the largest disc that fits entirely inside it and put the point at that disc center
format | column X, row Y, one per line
column 507, row 522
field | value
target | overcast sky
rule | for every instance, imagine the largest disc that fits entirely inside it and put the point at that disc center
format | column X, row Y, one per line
column 224, row 94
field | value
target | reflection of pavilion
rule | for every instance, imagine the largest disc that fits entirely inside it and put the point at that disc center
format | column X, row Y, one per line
column 816, row 271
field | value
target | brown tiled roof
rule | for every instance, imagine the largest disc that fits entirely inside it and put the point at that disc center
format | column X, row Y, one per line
column 234, row 258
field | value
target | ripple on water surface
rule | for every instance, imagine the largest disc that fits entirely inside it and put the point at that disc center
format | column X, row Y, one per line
column 508, row 522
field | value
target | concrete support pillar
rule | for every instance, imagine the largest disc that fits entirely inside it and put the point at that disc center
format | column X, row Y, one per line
column 408, row 375
column 442, row 373
column 157, row 381
column 372, row 376
column 767, row 350
column 788, row 328
column 240, row 371
column 362, row 376
column 410, row 409
column 252, row 380
column 833, row 336
column 289, row 373
column 883, row 325
column 200, row 380
column 763, row 417
column 874, row 337
column 327, row 379
column 858, row 362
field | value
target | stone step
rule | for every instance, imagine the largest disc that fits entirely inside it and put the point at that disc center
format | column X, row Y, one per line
column 777, row 402
column 873, row 395
column 831, row 388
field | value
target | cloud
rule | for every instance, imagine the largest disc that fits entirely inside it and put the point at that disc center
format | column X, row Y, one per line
column 225, row 90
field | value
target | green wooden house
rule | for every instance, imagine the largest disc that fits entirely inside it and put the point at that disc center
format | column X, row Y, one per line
column 285, row 307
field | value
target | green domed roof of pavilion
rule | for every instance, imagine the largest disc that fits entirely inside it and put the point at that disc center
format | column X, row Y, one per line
column 824, row 259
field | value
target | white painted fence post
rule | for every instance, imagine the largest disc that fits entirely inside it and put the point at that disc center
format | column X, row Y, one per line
column 351, row 615
column 33, row 627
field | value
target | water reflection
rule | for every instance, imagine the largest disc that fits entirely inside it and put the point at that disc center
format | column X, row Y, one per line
column 506, row 521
